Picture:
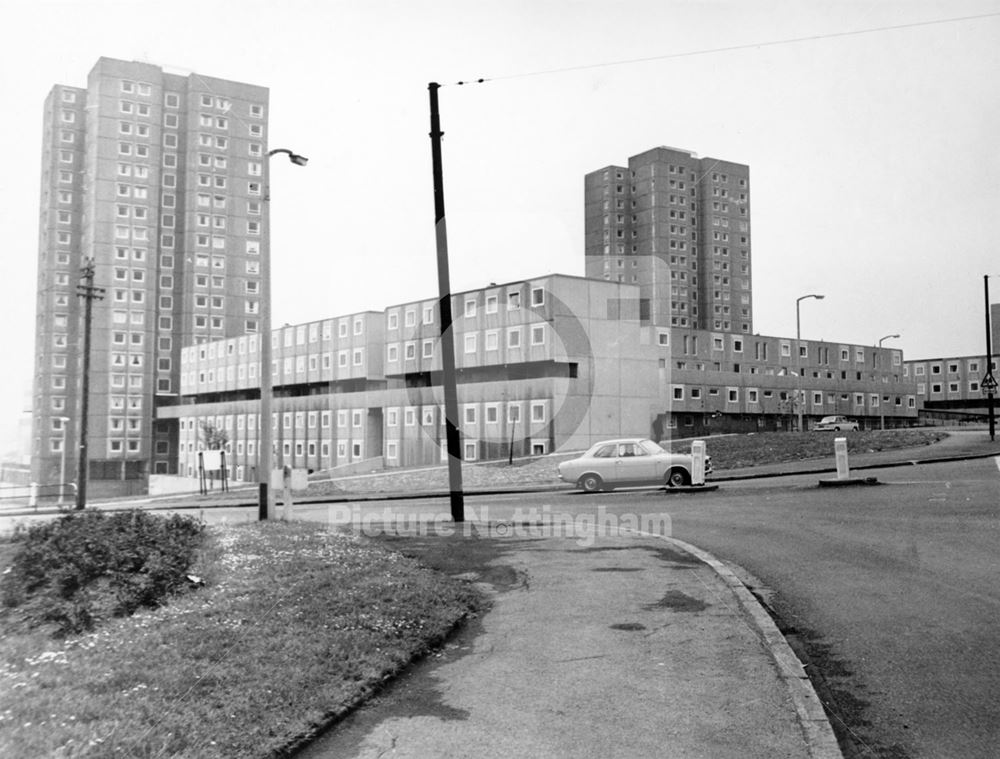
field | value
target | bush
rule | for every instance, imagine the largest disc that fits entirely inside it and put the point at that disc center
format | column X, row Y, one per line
column 72, row 571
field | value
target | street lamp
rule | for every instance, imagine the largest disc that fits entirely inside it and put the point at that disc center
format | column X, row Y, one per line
column 881, row 406
column 798, row 351
column 63, row 423
column 265, row 443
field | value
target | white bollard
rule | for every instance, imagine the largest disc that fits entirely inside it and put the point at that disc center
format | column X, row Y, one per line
column 33, row 495
column 698, row 462
column 840, row 452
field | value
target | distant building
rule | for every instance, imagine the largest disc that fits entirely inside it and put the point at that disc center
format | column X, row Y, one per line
column 546, row 364
column 158, row 179
column 950, row 388
column 678, row 227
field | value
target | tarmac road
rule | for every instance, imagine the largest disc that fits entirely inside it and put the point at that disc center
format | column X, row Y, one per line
column 893, row 591
column 889, row 591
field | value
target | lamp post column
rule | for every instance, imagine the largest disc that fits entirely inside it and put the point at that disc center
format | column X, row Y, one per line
column 265, row 444
column 799, row 390
column 798, row 366
column 64, row 422
column 881, row 397
column 265, row 436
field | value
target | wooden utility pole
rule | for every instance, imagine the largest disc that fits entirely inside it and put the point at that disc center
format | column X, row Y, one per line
column 444, row 304
column 89, row 293
column 989, row 383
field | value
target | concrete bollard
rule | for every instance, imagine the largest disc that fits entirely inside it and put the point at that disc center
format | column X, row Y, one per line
column 33, row 495
column 840, row 452
column 698, row 462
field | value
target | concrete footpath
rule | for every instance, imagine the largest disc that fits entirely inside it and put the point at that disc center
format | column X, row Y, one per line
column 619, row 646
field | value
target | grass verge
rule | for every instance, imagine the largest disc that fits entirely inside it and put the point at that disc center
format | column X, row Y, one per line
column 296, row 625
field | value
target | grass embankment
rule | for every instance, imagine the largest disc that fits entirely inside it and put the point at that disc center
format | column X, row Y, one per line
column 740, row 451
column 295, row 624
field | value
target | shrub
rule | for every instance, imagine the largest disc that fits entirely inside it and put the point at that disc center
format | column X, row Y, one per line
column 72, row 571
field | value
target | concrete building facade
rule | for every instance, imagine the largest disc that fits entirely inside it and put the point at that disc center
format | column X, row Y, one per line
column 547, row 364
column 157, row 179
column 541, row 364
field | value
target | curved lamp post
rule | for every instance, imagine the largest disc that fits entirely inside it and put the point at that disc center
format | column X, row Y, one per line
column 881, row 407
column 798, row 352
column 265, row 441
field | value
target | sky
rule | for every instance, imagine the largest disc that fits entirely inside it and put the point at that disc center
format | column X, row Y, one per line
column 869, row 127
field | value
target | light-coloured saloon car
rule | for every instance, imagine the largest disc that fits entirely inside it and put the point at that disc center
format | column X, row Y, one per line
column 836, row 423
column 628, row 461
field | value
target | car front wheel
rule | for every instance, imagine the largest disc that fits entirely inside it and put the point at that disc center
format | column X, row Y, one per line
column 677, row 477
column 591, row 483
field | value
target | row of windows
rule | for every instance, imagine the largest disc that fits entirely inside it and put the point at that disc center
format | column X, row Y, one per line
column 953, row 387
column 356, row 451
column 395, row 416
column 288, row 366
column 919, row 370
column 115, row 445
column 755, row 396
column 491, row 342
column 141, row 88
column 289, row 336
column 675, row 169
column 491, row 304
column 118, row 446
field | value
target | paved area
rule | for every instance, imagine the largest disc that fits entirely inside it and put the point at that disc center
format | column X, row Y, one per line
column 619, row 646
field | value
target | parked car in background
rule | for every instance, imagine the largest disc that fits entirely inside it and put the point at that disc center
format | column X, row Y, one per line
column 628, row 461
column 836, row 423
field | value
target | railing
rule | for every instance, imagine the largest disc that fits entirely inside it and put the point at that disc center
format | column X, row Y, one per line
column 34, row 492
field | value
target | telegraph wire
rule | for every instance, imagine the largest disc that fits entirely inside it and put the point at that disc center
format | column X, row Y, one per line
column 729, row 49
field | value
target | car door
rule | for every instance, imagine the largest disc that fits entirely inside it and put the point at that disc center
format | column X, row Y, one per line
column 633, row 464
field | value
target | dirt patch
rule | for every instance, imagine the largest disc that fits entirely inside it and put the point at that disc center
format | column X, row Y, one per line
column 616, row 569
column 675, row 600
column 465, row 556
column 673, row 556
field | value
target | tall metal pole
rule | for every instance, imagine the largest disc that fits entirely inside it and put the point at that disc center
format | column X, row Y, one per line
column 881, row 403
column 265, row 435
column 89, row 293
column 265, row 445
column 799, row 391
column 64, row 421
column 798, row 363
column 990, row 382
column 444, row 305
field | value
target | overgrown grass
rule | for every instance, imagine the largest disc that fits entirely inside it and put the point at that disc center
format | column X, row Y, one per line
column 295, row 624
